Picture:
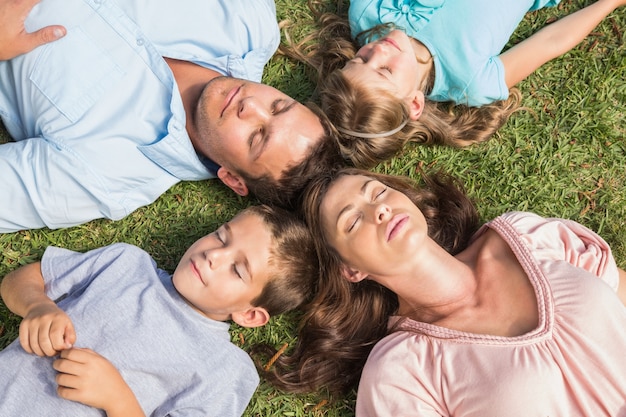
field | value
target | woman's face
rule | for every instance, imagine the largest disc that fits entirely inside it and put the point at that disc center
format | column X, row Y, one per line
column 388, row 64
column 374, row 228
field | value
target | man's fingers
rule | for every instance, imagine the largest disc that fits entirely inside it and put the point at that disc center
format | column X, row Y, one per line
column 46, row 35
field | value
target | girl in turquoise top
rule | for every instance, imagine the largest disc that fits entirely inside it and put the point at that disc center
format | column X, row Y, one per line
column 420, row 58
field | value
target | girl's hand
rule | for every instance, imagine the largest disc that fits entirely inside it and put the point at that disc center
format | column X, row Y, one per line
column 89, row 378
column 46, row 330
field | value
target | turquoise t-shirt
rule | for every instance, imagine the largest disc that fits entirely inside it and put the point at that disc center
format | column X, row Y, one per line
column 464, row 37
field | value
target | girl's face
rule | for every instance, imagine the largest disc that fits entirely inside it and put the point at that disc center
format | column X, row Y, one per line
column 374, row 228
column 388, row 64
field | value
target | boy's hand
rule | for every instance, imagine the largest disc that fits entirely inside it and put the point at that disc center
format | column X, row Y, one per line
column 46, row 330
column 14, row 40
column 89, row 378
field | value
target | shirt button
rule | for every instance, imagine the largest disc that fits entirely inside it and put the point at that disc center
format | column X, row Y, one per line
column 140, row 42
column 405, row 8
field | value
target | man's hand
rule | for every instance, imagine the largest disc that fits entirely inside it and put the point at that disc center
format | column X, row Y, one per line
column 14, row 40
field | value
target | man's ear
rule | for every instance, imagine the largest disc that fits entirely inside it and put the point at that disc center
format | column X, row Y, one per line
column 233, row 181
column 352, row 275
column 416, row 106
column 252, row 317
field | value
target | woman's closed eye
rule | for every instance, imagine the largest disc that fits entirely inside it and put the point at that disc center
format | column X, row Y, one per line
column 378, row 193
column 352, row 222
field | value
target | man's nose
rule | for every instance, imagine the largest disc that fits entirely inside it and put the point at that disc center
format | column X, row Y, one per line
column 252, row 107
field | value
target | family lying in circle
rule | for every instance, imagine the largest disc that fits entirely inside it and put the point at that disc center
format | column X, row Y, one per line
column 404, row 294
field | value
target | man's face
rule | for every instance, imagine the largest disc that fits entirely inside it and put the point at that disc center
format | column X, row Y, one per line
column 253, row 128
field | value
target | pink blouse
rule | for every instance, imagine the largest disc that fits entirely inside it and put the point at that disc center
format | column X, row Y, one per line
column 572, row 364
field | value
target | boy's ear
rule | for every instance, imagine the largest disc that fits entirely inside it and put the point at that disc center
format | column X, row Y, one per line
column 233, row 181
column 416, row 106
column 252, row 317
column 352, row 275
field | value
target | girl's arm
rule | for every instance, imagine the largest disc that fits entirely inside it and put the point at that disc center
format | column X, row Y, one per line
column 88, row 378
column 45, row 329
column 554, row 40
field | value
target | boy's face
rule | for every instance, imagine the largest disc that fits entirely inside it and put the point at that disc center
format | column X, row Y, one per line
column 221, row 273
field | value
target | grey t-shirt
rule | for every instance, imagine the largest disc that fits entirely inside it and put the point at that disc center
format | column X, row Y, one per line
column 177, row 361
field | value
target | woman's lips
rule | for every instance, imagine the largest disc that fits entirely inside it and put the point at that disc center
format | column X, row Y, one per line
column 395, row 225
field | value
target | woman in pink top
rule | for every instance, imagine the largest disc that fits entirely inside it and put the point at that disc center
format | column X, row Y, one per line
column 526, row 317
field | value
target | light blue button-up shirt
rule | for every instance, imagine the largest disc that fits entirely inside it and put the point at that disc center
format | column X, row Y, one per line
column 97, row 117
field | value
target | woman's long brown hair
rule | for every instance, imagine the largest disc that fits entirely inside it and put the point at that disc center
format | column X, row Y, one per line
column 345, row 320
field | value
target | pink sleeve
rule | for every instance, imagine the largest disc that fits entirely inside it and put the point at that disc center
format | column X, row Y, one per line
column 398, row 380
column 561, row 239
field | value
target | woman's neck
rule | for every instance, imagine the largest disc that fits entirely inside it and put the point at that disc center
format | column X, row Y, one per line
column 482, row 290
column 434, row 284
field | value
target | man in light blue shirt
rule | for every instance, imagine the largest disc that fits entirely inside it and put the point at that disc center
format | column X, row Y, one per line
column 140, row 95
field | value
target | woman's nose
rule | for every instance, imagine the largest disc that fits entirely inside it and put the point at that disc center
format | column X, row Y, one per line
column 382, row 212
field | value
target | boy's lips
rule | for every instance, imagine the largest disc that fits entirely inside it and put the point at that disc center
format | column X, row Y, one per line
column 229, row 99
column 197, row 273
column 395, row 225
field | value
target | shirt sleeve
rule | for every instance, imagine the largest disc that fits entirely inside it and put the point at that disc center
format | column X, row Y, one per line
column 65, row 271
column 399, row 378
column 567, row 240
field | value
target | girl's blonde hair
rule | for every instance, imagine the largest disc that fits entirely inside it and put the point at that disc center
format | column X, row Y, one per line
column 362, row 109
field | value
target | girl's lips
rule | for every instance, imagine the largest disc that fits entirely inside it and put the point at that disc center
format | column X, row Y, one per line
column 395, row 225
column 391, row 42
column 229, row 99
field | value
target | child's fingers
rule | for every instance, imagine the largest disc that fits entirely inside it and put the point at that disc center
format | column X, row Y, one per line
column 24, row 335
column 35, row 339
column 60, row 331
column 70, row 336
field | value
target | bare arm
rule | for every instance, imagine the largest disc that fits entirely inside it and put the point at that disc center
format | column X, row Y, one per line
column 554, row 40
column 621, row 289
column 14, row 40
column 45, row 329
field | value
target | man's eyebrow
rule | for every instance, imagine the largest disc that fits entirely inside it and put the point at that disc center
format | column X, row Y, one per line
column 350, row 206
column 267, row 136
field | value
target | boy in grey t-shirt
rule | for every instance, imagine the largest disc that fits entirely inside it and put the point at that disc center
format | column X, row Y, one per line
column 126, row 338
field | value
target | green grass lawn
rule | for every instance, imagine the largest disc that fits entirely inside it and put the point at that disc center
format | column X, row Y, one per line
column 562, row 157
